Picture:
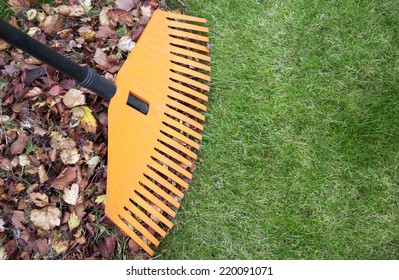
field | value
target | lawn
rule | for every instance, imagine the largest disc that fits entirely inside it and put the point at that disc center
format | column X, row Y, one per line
column 301, row 146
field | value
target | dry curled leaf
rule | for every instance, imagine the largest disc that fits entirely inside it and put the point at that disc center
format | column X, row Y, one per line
column 70, row 156
column 3, row 254
column 39, row 199
column 23, row 160
column 71, row 194
column 126, row 4
column 126, row 44
column 46, row 218
column 31, row 14
column 59, row 142
column 18, row 219
column 66, row 178
column 18, row 5
column 2, row 223
column 42, row 174
column 73, row 98
column 18, row 146
column 52, row 24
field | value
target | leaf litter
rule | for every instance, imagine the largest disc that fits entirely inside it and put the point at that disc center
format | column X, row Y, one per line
column 53, row 134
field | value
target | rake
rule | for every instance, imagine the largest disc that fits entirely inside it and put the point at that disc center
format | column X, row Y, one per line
column 154, row 119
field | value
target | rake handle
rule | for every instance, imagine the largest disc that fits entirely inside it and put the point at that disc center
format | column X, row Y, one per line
column 84, row 76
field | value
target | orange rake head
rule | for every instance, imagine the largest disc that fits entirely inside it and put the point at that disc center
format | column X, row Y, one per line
column 150, row 153
column 154, row 123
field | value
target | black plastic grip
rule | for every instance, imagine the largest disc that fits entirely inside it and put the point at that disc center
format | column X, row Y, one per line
column 84, row 76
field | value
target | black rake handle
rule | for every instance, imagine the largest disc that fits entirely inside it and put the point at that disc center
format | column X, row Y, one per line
column 84, row 76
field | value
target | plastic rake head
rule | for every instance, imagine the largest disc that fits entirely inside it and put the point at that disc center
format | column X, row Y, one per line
column 151, row 155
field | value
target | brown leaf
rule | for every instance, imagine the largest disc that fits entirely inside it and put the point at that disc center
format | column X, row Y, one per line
column 66, row 178
column 110, row 244
column 52, row 24
column 5, row 164
column 42, row 246
column 19, row 5
column 42, row 174
column 36, row 91
column 100, row 58
column 105, row 32
column 18, row 146
column 119, row 16
column 39, row 199
column 136, row 33
column 59, row 142
column 46, row 218
column 133, row 246
column 73, row 98
column 70, row 10
column 18, row 218
column 55, row 90
column 126, row 4
column 39, row 131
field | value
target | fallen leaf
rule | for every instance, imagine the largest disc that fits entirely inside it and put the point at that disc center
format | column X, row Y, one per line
column 100, row 57
column 46, row 218
column 3, row 254
column 69, row 156
column 41, row 15
column 110, row 244
column 42, row 246
column 73, row 98
column 39, row 131
column 86, row 5
column 146, row 11
column 24, row 160
column 100, row 199
column 73, row 221
column 5, row 164
column 126, row 44
column 31, row 14
column 18, row 219
column 59, row 142
column 36, row 91
column 34, row 30
column 39, row 199
column 71, row 194
column 120, row 16
column 18, row 146
column 66, row 178
column 60, row 246
column 52, row 24
column 87, row 121
column 2, row 223
column 42, row 174
column 18, row 5
column 103, row 16
column 105, row 32
column 92, row 162
column 126, row 4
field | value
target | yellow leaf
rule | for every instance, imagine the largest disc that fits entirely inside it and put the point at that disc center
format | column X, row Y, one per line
column 100, row 199
column 60, row 246
column 87, row 121
column 73, row 221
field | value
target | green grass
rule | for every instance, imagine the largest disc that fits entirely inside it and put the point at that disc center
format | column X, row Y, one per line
column 5, row 11
column 301, row 145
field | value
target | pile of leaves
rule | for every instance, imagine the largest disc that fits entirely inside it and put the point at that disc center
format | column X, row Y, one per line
column 53, row 134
